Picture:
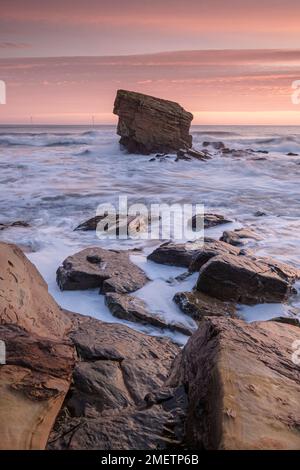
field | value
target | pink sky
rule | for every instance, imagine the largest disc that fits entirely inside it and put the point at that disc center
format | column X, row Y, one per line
column 234, row 61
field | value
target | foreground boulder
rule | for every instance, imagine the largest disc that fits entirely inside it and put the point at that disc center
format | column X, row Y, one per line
column 246, row 279
column 108, row 406
column 134, row 309
column 39, row 357
column 33, row 384
column 242, row 386
column 24, row 297
column 108, row 270
column 17, row 223
column 149, row 125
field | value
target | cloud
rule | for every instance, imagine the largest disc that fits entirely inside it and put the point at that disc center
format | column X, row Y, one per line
column 14, row 45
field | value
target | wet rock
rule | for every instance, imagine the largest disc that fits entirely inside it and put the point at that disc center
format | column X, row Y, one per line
column 209, row 220
column 239, row 237
column 245, row 279
column 18, row 223
column 198, row 305
column 260, row 214
column 287, row 320
column 107, row 407
column 292, row 154
column 190, row 154
column 214, row 145
column 210, row 249
column 242, row 386
column 109, row 270
column 115, row 224
column 149, row 125
column 134, row 309
column 175, row 254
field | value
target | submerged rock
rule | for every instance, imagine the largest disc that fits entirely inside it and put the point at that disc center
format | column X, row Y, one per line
column 239, row 237
column 17, row 223
column 109, row 270
column 175, row 254
column 149, row 125
column 134, row 309
column 208, row 220
column 248, row 280
column 242, row 386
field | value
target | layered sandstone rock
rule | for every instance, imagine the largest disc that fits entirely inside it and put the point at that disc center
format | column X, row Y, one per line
column 246, row 279
column 242, row 385
column 149, row 125
column 39, row 358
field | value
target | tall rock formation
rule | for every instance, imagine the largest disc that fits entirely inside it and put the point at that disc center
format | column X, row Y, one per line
column 148, row 125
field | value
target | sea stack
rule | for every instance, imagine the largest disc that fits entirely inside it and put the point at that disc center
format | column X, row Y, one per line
column 148, row 124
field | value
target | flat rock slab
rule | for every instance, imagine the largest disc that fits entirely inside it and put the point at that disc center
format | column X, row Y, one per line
column 198, row 305
column 149, row 125
column 243, row 387
column 247, row 280
column 115, row 225
column 176, row 254
column 106, row 408
column 190, row 255
column 17, row 223
column 134, row 309
column 109, row 270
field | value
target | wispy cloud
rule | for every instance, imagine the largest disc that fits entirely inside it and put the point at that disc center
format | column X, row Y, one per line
column 14, row 45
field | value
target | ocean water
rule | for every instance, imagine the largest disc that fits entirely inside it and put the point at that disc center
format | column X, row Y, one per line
column 55, row 177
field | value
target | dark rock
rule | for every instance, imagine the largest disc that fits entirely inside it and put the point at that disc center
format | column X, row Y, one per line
column 175, row 254
column 134, row 309
column 241, row 384
column 262, row 151
column 245, row 279
column 291, row 154
column 259, row 214
column 209, row 220
column 287, row 320
column 109, row 270
column 238, row 237
column 198, row 305
column 18, row 223
column 117, row 400
column 210, row 249
column 190, row 154
column 148, row 125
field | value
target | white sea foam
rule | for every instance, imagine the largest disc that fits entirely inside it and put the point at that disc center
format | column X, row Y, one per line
column 55, row 178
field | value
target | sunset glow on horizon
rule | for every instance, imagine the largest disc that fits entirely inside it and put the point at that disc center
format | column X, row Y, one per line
column 230, row 62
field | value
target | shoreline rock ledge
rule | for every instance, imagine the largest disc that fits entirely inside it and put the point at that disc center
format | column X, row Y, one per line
column 148, row 124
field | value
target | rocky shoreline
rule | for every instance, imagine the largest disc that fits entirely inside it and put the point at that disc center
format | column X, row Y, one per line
column 71, row 381
column 78, row 383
